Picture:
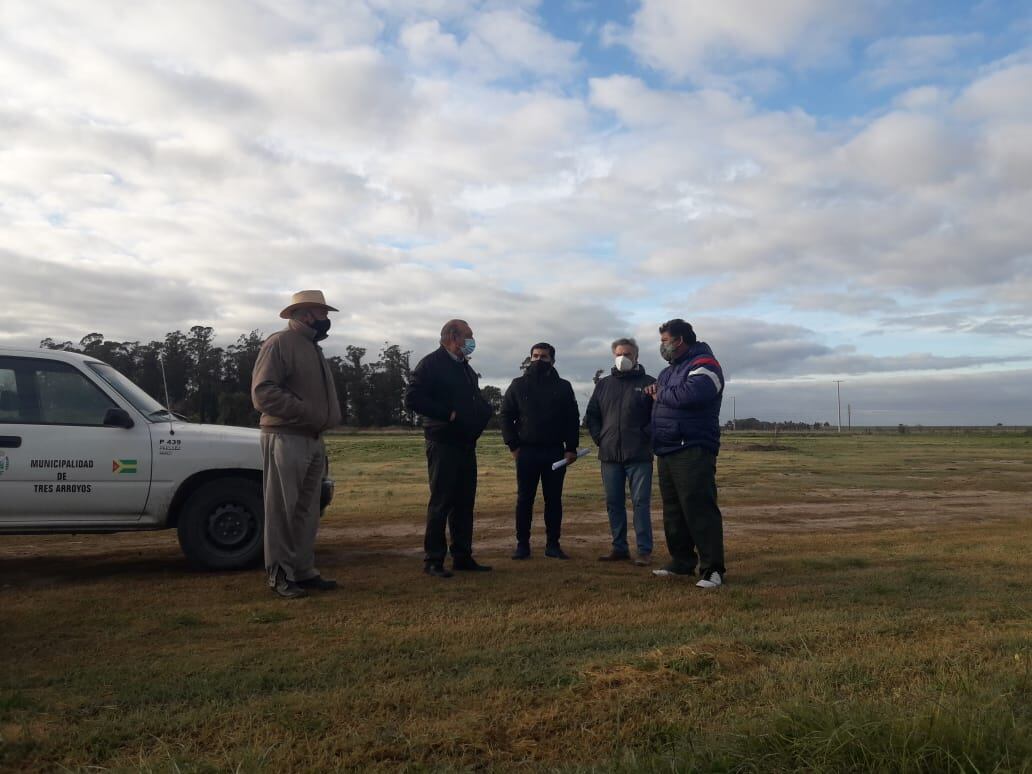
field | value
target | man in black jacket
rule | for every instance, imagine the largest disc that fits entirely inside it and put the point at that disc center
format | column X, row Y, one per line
column 445, row 392
column 540, row 425
column 619, row 416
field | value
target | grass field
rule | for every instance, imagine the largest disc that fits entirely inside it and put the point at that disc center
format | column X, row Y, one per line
column 877, row 618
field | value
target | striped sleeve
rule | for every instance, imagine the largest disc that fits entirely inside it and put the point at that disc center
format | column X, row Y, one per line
column 703, row 382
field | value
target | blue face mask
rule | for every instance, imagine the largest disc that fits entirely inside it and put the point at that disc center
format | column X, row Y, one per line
column 468, row 346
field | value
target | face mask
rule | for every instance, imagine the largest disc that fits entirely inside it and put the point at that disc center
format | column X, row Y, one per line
column 623, row 363
column 666, row 351
column 468, row 346
column 539, row 366
column 321, row 328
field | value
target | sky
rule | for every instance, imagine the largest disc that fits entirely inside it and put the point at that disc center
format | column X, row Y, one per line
column 827, row 190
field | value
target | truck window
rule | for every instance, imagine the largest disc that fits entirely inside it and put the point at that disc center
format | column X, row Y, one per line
column 8, row 396
column 129, row 390
column 67, row 397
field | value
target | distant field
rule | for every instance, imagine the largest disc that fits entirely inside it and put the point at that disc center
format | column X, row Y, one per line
column 877, row 618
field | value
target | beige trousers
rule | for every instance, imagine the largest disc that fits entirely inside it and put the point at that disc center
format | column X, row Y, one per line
column 293, row 467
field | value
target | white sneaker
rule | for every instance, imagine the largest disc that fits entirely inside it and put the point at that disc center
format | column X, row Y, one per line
column 710, row 581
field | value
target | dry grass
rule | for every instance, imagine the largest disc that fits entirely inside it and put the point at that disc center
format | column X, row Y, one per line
column 877, row 619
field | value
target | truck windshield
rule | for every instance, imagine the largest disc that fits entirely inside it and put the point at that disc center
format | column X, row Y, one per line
column 140, row 400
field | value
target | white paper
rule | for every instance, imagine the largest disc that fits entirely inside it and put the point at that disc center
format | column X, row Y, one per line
column 563, row 462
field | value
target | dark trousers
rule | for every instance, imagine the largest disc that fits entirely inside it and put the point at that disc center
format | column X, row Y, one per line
column 691, row 518
column 533, row 465
column 453, row 490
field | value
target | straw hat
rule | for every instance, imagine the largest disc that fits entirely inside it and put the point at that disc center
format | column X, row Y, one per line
column 306, row 298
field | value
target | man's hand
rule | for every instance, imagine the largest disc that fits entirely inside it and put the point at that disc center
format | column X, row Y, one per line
column 571, row 457
column 452, row 417
column 651, row 390
column 515, row 453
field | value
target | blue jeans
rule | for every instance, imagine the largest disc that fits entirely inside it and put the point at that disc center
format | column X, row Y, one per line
column 615, row 476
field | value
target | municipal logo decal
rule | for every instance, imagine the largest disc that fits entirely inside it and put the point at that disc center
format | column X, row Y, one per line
column 123, row 466
column 4, row 463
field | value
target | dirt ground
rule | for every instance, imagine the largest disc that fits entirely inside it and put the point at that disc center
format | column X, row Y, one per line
column 44, row 560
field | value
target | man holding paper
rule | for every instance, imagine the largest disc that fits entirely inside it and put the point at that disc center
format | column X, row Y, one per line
column 540, row 425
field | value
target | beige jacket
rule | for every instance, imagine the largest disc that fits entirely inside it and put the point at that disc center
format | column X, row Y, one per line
column 292, row 384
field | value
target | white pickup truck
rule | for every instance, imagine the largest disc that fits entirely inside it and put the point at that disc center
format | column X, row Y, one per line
column 83, row 449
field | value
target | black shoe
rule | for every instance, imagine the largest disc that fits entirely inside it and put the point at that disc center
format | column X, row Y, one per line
column 522, row 551
column 287, row 588
column 469, row 565
column 553, row 550
column 437, row 569
column 319, row 583
column 615, row 556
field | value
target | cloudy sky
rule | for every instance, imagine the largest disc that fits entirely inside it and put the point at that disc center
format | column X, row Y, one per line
column 826, row 189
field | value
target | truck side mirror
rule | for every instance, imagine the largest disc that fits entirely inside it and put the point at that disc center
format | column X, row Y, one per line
column 118, row 417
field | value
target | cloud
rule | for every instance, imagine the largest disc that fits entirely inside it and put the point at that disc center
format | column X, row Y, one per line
column 857, row 303
column 899, row 60
column 1003, row 94
column 750, row 348
column 751, row 201
column 428, row 45
column 938, row 399
column 55, row 299
column 907, row 149
column 162, row 165
column 491, row 44
column 951, row 322
column 691, row 37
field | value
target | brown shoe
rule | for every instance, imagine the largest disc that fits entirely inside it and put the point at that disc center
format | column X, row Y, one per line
column 615, row 556
column 643, row 560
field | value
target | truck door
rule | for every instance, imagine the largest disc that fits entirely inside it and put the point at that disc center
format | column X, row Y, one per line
column 59, row 462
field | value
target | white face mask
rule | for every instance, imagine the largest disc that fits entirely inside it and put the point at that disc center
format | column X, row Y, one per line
column 623, row 363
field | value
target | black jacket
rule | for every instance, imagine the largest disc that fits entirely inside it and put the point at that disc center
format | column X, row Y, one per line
column 540, row 411
column 440, row 385
column 619, row 417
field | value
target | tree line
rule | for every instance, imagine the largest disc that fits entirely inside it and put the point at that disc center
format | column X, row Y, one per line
column 209, row 383
column 752, row 423
column 212, row 384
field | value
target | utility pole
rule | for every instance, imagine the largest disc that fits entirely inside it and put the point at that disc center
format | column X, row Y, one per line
column 734, row 415
column 838, row 391
column 849, row 416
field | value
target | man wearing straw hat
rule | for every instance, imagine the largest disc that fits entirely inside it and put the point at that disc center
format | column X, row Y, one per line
column 292, row 386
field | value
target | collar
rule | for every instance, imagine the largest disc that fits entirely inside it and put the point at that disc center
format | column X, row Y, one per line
column 688, row 355
column 638, row 370
column 457, row 358
column 300, row 327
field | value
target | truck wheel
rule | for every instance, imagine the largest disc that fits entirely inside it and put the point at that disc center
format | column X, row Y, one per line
column 221, row 525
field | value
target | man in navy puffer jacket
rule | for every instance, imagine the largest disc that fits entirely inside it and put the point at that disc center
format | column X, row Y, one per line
column 686, row 440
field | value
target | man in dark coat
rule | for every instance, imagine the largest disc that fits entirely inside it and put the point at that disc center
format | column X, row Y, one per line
column 445, row 392
column 686, row 439
column 541, row 426
column 618, row 417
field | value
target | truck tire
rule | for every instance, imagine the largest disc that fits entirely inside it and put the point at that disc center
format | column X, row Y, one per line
column 221, row 525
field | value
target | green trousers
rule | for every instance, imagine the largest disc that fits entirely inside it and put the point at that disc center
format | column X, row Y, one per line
column 691, row 517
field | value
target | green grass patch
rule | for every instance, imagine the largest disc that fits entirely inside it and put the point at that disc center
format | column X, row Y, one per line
column 876, row 618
